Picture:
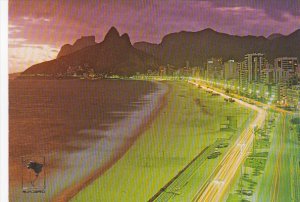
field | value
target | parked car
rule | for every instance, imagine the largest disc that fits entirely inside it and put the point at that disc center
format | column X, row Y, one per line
column 231, row 100
column 215, row 94
column 214, row 155
column 222, row 145
column 247, row 192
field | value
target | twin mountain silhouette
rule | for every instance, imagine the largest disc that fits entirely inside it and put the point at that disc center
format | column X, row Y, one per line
column 116, row 55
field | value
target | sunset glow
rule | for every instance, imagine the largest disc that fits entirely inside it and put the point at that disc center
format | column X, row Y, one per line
column 42, row 27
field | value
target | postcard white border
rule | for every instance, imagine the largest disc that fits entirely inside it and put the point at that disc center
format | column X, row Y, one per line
column 4, row 100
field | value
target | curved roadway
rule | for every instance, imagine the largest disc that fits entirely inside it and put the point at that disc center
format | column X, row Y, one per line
column 216, row 186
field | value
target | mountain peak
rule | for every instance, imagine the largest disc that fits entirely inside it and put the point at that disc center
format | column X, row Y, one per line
column 125, row 37
column 114, row 55
column 208, row 30
column 112, row 33
column 81, row 43
column 295, row 33
column 85, row 39
column 274, row 36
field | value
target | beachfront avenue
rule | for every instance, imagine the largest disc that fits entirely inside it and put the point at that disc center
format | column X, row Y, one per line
column 220, row 181
column 177, row 153
column 204, row 154
column 220, row 184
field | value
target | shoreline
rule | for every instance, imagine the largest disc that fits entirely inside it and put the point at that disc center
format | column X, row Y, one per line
column 176, row 136
column 68, row 193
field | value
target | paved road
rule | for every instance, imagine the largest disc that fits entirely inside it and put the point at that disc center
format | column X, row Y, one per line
column 281, row 184
column 251, row 100
column 281, row 179
column 216, row 187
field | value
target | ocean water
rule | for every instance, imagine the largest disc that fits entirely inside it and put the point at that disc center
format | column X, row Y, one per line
column 77, row 125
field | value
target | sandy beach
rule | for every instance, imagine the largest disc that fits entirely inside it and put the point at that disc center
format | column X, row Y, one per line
column 81, row 143
column 148, row 117
column 188, row 123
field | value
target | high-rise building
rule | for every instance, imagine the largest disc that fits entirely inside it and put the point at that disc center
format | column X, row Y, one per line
column 214, row 68
column 268, row 74
column 286, row 67
column 293, row 96
column 243, row 76
column 230, row 70
column 282, row 87
column 255, row 63
column 274, row 92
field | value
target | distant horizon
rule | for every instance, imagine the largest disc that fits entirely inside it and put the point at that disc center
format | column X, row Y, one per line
column 10, row 72
column 232, row 34
column 38, row 29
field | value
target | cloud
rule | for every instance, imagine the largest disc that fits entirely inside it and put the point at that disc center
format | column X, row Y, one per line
column 57, row 22
column 34, row 20
column 276, row 9
column 64, row 22
column 15, row 41
column 22, row 56
column 236, row 9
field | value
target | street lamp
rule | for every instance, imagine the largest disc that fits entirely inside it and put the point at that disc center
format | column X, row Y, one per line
column 241, row 145
column 218, row 181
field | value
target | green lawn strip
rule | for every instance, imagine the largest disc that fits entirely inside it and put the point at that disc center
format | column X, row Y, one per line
column 295, row 159
column 174, row 187
column 264, row 191
column 177, row 135
column 294, row 135
column 289, row 169
column 289, row 175
column 186, row 184
column 189, row 191
column 254, row 165
column 246, row 184
column 234, row 198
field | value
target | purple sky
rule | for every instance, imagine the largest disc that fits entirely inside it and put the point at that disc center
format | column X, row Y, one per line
column 38, row 28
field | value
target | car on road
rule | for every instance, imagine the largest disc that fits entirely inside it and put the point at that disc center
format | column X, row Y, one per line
column 222, row 145
column 214, row 155
column 215, row 94
column 247, row 192
column 231, row 100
